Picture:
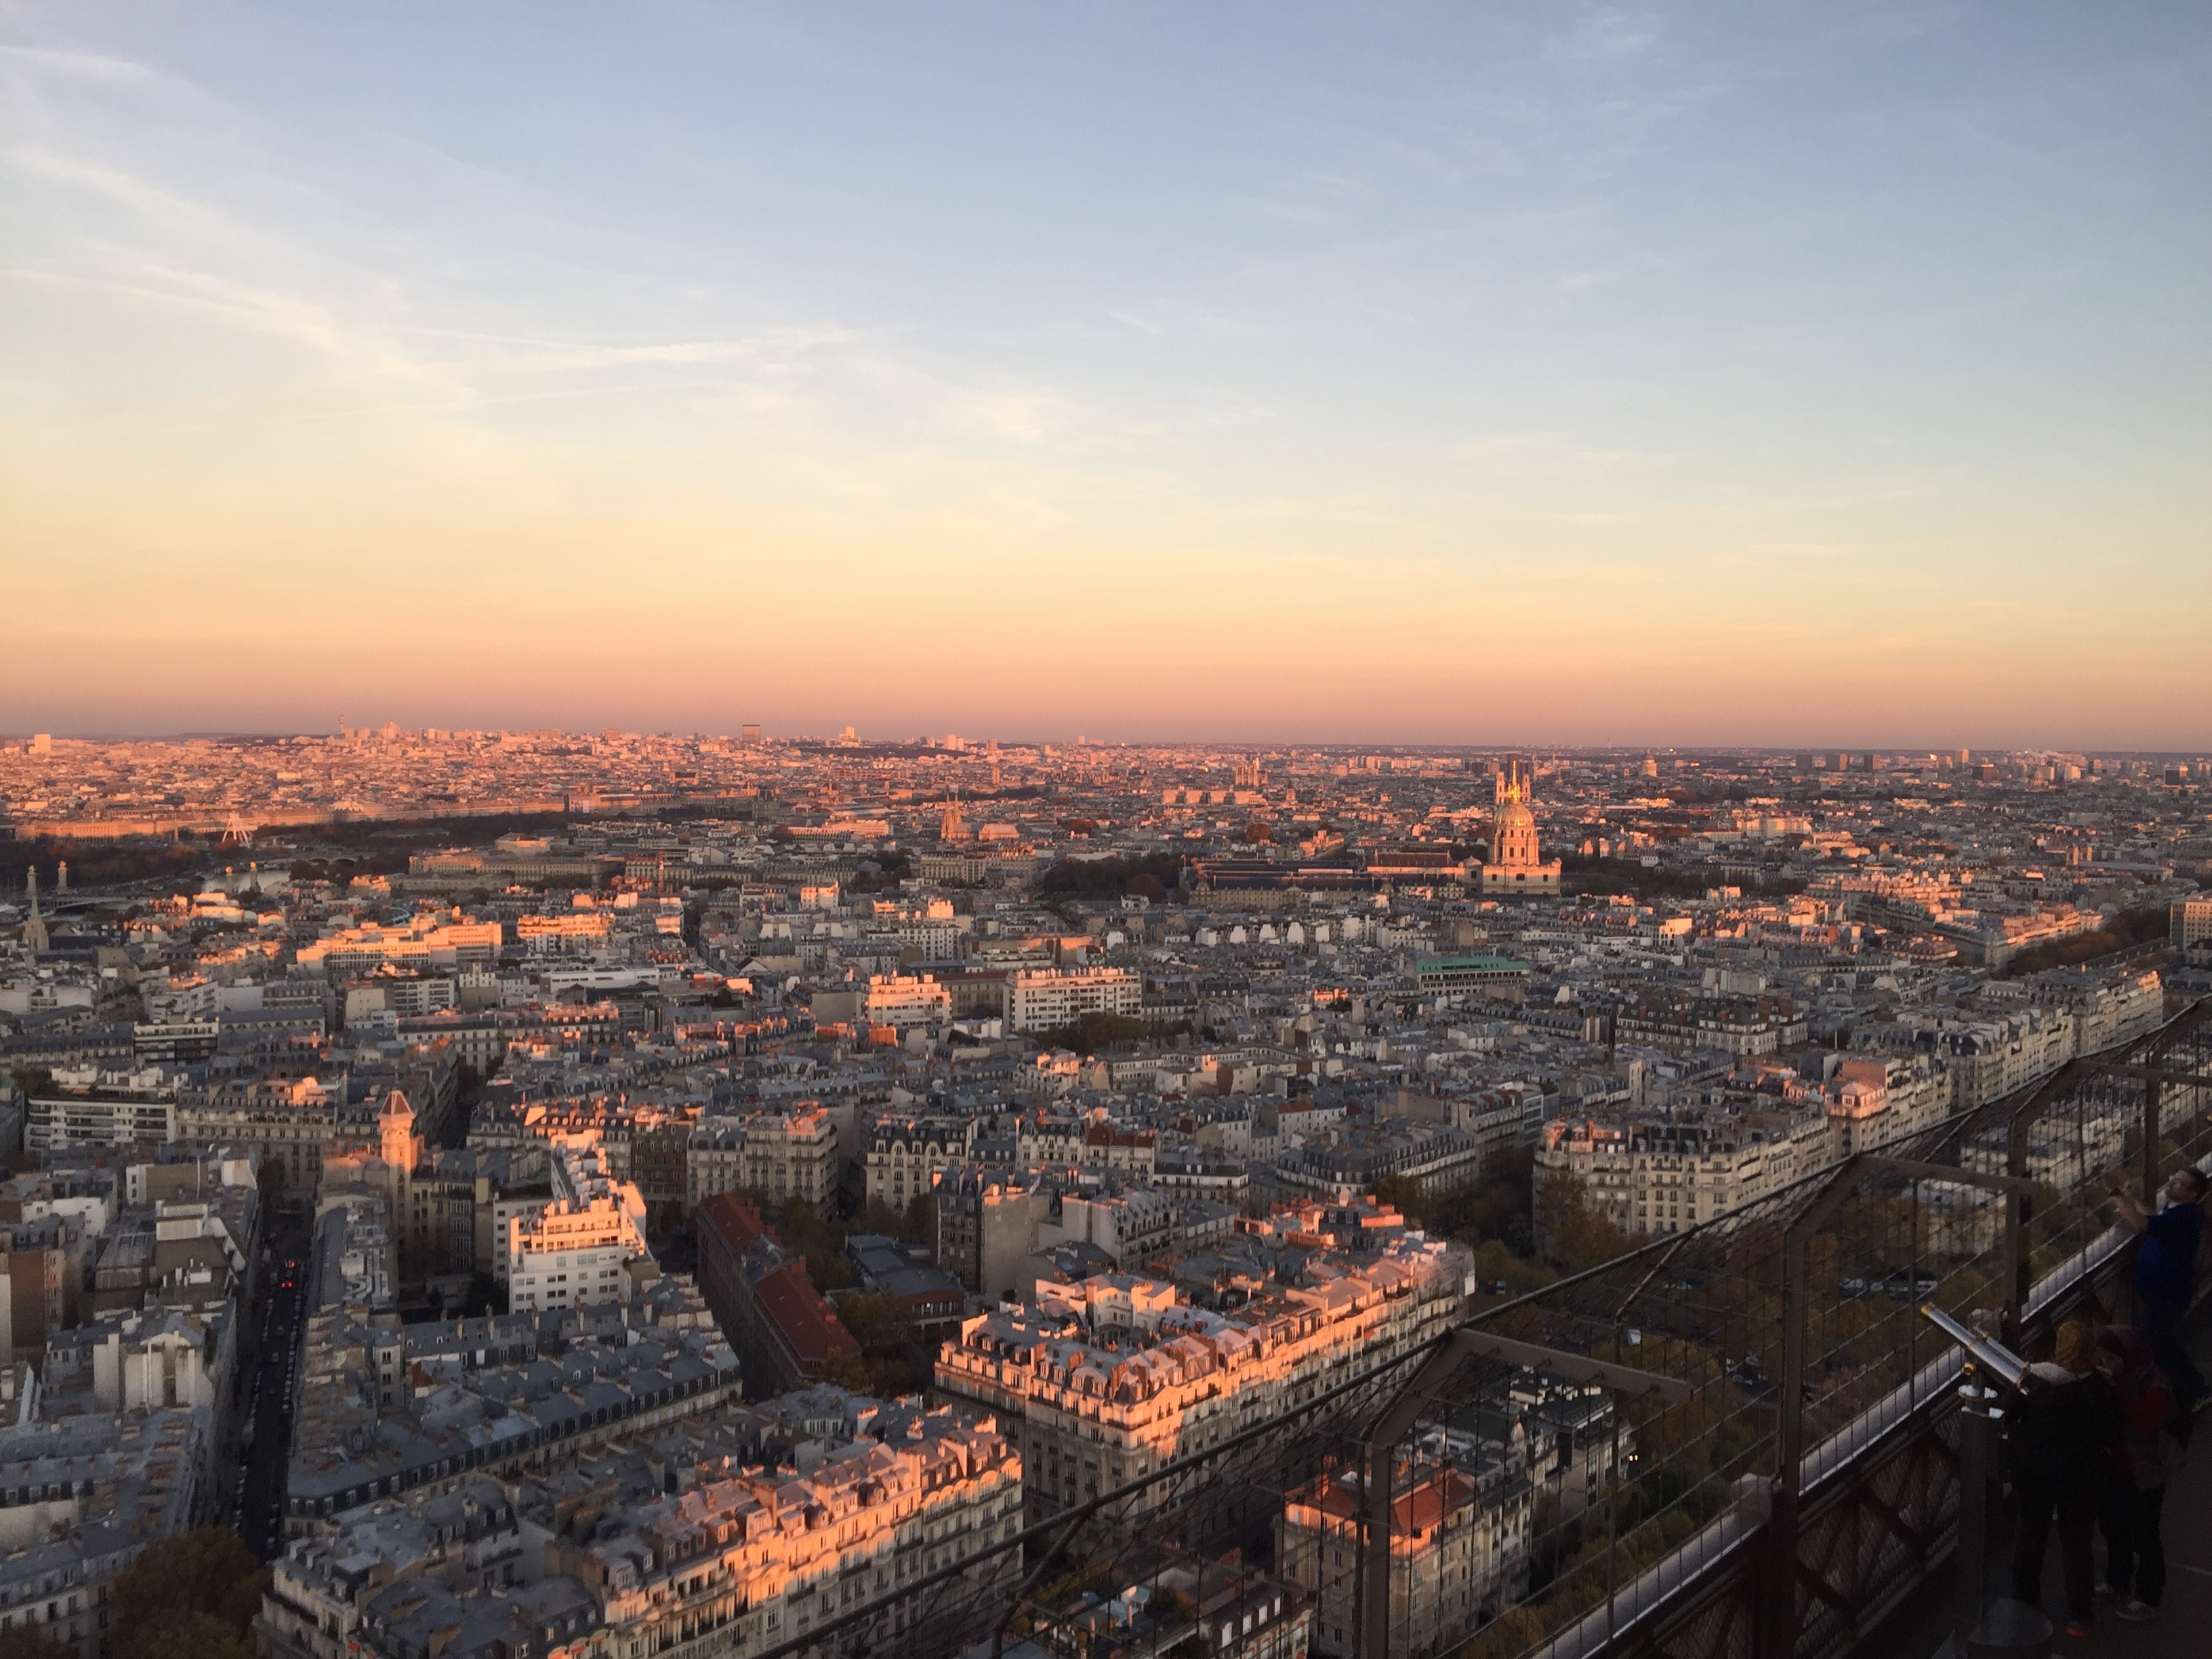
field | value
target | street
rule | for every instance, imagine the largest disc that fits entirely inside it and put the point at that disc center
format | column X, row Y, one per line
column 271, row 1380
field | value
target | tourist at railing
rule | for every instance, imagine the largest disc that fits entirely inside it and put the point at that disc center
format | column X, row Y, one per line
column 2064, row 1432
column 2135, row 1554
column 2166, row 1282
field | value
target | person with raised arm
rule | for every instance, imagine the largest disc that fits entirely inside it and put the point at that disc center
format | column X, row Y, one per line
column 2165, row 1280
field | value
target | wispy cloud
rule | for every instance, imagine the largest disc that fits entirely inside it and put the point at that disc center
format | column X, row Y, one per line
column 66, row 63
column 1609, row 32
column 115, row 185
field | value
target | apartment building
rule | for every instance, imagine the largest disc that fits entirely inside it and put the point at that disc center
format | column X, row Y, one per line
column 906, row 1154
column 386, row 997
column 987, row 1228
column 429, row 939
column 902, row 1001
column 1496, row 979
column 735, row 1556
column 1455, row 1552
column 1736, row 1025
column 1095, row 1141
column 1190, row 1174
column 1872, row 1100
column 764, row 1556
column 2190, row 924
column 470, row 1537
column 580, row 1249
column 1131, row 1225
column 92, row 1106
column 788, row 1154
column 1043, row 1138
column 482, row 1036
column 1047, row 999
column 513, row 1395
column 1664, row 1176
column 2106, row 1010
column 577, row 930
column 1105, row 1379
column 456, row 1204
column 570, row 1255
column 1437, row 1158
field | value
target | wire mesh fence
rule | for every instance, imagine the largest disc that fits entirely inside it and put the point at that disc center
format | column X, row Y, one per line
column 1531, row 1510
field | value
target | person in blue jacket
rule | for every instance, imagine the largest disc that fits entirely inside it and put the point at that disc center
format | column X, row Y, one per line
column 2165, row 1280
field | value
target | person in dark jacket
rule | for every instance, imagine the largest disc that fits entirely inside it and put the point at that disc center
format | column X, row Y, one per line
column 2064, row 1431
column 2135, row 1554
column 2166, row 1281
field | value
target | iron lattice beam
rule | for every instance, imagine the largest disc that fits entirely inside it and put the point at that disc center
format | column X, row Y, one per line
column 2147, row 1073
column 1372, row 1618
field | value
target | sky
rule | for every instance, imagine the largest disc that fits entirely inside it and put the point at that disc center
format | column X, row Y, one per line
column 1762, row 374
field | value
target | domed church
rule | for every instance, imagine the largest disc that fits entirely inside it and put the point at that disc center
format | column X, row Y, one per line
column 1517, row 863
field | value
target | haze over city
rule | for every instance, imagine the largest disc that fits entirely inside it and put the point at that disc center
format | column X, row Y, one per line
column 1720, row 373
column 1141, row 831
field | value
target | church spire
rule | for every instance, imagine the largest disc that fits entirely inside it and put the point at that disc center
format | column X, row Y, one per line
column 34, row 930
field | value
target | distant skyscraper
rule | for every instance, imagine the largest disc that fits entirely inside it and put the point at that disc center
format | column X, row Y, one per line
column 749, row 735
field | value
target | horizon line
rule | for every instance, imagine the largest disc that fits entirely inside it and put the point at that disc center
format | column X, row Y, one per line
column 975, row 745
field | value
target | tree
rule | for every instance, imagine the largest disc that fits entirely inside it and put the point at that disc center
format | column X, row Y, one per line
column 877, row 1217
column 197, row 1636
column 874, row 1324
column 1104, row 878
column 846, row 1370
column 1171, row 1607
column 31, row 1642
column 1401, row 1193
column 1495, row 1264
column 192, row 1596
column 1091, row 1032
column 1576, row 1234
column 919, row 1224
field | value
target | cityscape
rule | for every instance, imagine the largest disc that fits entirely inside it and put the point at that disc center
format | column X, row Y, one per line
column 654, row 1188
column 966, row 832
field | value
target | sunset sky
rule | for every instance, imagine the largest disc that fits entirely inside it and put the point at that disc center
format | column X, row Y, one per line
column 1793, row 375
